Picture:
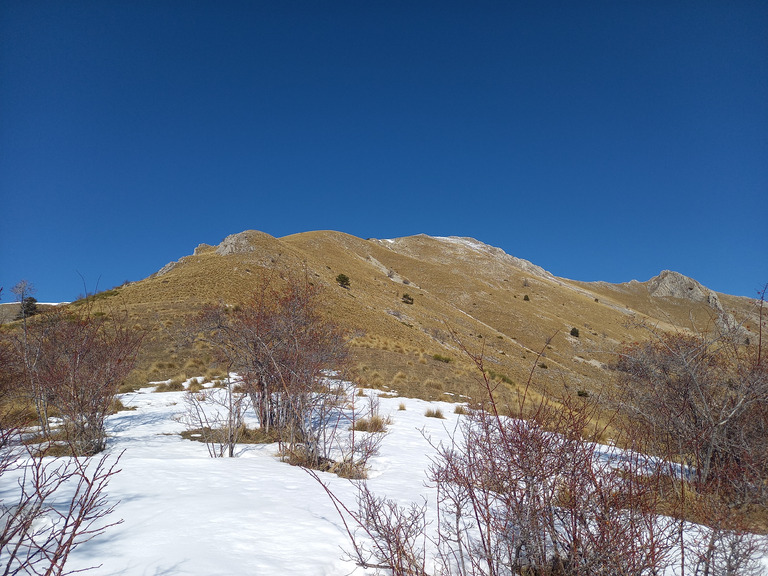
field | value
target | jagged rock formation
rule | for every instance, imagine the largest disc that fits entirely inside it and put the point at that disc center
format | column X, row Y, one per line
column 669, row 284
column 676, row 285
column 241, row 243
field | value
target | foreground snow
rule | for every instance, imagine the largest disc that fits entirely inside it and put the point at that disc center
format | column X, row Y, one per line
column 185, row 513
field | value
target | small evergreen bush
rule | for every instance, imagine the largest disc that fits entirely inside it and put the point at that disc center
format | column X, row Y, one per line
column 343, row 280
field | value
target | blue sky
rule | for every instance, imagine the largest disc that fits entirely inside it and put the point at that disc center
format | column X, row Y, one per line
column 602, row 140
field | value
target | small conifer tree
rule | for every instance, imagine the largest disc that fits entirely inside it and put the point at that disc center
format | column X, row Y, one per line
column 28, row 307
column 343, row 280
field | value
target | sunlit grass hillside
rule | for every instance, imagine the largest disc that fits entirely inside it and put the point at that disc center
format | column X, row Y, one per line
column 413, row 302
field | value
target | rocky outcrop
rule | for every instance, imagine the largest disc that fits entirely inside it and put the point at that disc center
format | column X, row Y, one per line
column 241, row 243
column 675, row 285
column 671, row 284
column 165, row 269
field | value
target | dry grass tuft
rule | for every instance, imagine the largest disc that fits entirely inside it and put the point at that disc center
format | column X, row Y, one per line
column 173, row 385
column 374, row 424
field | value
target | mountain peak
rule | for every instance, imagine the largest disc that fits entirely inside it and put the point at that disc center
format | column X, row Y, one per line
column 242, row 242
column 673, row 284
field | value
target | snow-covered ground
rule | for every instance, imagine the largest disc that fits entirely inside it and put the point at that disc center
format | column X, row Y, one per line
column 187, row 514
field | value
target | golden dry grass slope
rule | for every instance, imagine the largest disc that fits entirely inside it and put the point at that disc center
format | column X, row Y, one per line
column 493, row 302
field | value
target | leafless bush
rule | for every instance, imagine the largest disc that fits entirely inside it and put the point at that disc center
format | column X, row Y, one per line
column 22, row 351
column 533, row 496
column 717, row 550
column 540, row 496
column 74, row 360
column 384, row 535
column 217, row 415
column 397, row 535
column 372, row 421
column 702, row 400
column 84, row 359
column 284, row 350
column 366, row 432
column 48, row 507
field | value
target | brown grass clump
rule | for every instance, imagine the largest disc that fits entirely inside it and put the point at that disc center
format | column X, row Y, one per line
column 174, row 385
column 118, row 406
column 434, row 384
column 434, row 413
column 374, row 424
column 195, row 385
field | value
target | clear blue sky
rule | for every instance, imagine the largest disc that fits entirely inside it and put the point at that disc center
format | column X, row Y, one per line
column 602, row 140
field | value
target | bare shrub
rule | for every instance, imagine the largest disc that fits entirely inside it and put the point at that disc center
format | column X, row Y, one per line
column 367, row 429
column 50, row 506
column 84, row 359
column 74, row 360
column 283, row 349
column 217, row 415
column 371, row 422
column 702, row 401
column 732, row 552
column 536, row 496
column 385, row 535
column 540, row 496
column 724, row 546
column 55, row 506
column 23, row 351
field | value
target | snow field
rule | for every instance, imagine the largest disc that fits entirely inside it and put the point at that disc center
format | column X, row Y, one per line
column 187, row 514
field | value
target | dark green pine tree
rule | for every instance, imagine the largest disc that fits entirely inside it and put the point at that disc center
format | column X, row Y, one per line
column 28, row 308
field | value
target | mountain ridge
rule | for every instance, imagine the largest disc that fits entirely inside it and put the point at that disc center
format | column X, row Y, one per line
column 415, row 303
column 667, row 283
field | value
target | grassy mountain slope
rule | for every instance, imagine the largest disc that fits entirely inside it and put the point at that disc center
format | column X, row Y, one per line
column 504, row 306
